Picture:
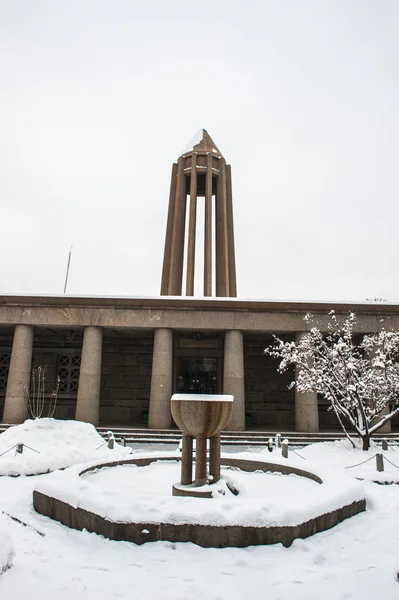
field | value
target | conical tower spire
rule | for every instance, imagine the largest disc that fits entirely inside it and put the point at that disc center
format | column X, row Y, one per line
column 201, row 172
column 202, row 142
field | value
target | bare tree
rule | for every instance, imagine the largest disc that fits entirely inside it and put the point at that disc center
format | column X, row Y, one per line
column 360, row 381
column 37, row 395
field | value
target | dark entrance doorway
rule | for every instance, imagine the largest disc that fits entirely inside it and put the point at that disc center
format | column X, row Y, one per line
column 197, row 375
column 198, row 363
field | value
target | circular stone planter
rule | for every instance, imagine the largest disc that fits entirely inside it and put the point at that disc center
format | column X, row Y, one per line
column 69, row 499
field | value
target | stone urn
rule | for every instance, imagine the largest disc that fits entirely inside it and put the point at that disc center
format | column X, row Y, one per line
column 200, row 416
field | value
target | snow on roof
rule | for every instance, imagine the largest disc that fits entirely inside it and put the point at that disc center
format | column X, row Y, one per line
column 199, row 136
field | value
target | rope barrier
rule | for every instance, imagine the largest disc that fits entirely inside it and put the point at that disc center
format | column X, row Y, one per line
column 23, row 523
column 361, row 463
column 385, row 458
column 106, row 442
column 298, row 454
column 26, row 446
column 9, row 450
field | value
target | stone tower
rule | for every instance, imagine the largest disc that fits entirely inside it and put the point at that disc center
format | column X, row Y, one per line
column 201, row 172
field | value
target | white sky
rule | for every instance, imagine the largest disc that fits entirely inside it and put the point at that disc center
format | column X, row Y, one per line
column 98, row 98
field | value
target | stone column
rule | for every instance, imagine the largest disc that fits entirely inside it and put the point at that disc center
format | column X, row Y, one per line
column 233, row 379
column 161, row 380
column 200, row 460
column 387, row 428
column 88, row 402
column 187, row 460
column 306, row 407
column 214, row 457
column 19, row 374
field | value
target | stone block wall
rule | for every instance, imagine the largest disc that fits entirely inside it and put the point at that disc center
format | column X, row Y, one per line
column 48, row 348
column 126, row 379
column 268, row 401
column 327, row 418
column 5, row 352
column 66, row 403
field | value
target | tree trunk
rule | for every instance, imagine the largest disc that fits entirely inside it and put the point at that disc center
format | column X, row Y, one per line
column 366, row 441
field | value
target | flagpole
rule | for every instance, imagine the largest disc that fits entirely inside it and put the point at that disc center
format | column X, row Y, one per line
column 67, row 271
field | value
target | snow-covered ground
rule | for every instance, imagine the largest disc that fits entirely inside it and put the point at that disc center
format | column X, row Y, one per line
column 357, row 559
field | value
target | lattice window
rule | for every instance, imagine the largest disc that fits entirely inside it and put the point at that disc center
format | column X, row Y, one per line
column 4, row 366
column 68, row 372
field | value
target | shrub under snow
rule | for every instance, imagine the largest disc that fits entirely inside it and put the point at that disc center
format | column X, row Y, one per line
column 51, row 444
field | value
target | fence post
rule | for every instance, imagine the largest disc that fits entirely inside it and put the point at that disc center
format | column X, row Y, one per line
column 380, row 462
column 111, row 440
column 284, row 448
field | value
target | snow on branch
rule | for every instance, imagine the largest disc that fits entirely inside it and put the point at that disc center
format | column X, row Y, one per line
column 359, row 380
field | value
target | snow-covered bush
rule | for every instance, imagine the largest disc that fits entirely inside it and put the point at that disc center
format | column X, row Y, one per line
column 360, row 381
column 6, row 546
column 50, row 444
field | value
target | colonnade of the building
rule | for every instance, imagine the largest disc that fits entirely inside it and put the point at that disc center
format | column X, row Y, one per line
column 88, row 396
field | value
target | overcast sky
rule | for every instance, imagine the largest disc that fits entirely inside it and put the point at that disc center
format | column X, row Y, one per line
column 99, row 98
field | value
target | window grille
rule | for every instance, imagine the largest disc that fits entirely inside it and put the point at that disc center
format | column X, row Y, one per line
column 68, row 372
column 4, row 367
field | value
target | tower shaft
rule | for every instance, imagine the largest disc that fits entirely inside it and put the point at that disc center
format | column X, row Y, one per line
column 201, row 172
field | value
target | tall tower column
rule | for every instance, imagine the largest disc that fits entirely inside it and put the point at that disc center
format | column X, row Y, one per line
column 208, row 228
column 230, row 234
column 175, row 275
column 192, row 229
column 201, row 172
column 222, row 249
column 169, row 233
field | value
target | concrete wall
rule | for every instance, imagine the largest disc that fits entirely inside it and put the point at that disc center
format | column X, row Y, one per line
column 126, row 379
column 268, row 400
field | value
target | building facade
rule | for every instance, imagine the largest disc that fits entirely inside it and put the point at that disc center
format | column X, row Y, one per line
column 117, row 361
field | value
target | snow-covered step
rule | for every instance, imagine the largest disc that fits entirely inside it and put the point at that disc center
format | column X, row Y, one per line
column 229, row 438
